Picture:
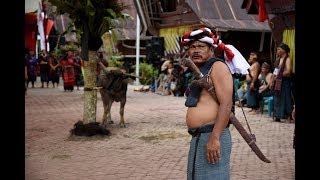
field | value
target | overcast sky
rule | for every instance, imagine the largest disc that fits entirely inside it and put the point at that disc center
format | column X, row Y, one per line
column 31, row 5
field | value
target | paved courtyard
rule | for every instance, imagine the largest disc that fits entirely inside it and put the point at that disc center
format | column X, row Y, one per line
column 153, row 146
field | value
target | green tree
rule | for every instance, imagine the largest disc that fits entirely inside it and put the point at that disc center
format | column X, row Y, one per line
column 147, row 73
column 92, row 18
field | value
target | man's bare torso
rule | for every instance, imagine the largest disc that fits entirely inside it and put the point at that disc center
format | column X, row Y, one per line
column 204, row 113
column 254, row 70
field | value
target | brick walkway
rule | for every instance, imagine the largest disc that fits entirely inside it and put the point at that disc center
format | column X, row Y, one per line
column 154, row 145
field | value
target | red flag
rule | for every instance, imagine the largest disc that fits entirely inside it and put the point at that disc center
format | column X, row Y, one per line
column 49, row 26
column 263, row 15
column 30, row 31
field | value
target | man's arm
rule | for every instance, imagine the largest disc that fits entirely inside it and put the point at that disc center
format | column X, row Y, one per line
column 288, row 68
column 255, row 73
column 269, row 79
column 223, row 83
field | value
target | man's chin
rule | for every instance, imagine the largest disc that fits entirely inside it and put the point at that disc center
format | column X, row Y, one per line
column 198, row 60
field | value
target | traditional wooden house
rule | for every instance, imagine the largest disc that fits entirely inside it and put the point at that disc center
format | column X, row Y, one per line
column 170, row 19
column 163, row 22
column 282, row 21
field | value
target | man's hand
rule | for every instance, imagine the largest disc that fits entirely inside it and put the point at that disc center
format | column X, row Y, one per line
column 213, row 150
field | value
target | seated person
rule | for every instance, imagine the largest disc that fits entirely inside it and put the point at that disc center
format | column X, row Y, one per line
column 241, row 96
column 265, row 79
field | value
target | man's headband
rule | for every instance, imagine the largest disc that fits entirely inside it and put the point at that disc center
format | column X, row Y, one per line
column 203, row 34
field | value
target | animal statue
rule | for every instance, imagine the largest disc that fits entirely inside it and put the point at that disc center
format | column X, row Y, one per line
column 114, row 85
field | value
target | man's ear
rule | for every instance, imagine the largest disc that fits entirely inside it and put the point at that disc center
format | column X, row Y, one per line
column 212, row 49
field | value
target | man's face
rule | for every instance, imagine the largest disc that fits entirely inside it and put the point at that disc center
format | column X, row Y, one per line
column 252, row 58
column 264, row 70
column 280, row 51
column 200, row 52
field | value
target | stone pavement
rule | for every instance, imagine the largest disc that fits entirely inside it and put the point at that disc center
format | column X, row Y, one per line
column 154, row 145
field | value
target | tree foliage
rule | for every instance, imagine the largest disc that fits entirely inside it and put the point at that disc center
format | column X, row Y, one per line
column 92, row 18
column 147, row 72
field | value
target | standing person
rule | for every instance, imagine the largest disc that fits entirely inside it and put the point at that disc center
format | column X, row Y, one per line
column 44, row 68
column 25, row 78
column 55, row 69
column 77, row 68
column 253, row 83
column 206, row 118
column 283, row 102
column 32, row 63
column 68, row 71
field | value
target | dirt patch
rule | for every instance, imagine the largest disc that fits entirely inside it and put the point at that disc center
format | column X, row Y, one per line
column 87, row 138
column 126, row 148
column 155, row 137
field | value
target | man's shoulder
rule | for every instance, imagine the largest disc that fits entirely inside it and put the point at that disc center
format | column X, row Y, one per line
column 218, row 61
column 220, row 67
column 256, row 66
column 214, row 59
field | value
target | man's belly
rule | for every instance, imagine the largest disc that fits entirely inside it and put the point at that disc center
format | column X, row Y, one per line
column 202, row 114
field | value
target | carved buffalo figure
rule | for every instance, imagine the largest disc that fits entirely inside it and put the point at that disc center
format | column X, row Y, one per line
column 114, row 89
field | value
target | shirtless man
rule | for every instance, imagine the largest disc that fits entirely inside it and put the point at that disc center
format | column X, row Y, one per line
column 207, row 119
column 252, row 83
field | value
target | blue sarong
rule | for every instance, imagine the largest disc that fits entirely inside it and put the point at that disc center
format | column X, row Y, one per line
column 283, row 103
column 252, row 100
column 198, row 162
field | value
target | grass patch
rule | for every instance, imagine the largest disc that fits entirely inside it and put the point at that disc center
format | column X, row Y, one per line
column 60, row 157
column 155, row 137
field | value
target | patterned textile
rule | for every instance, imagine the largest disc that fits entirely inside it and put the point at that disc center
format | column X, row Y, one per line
column 68, row 76
column 202, row 35
column 202, row 169
column 283, row 104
